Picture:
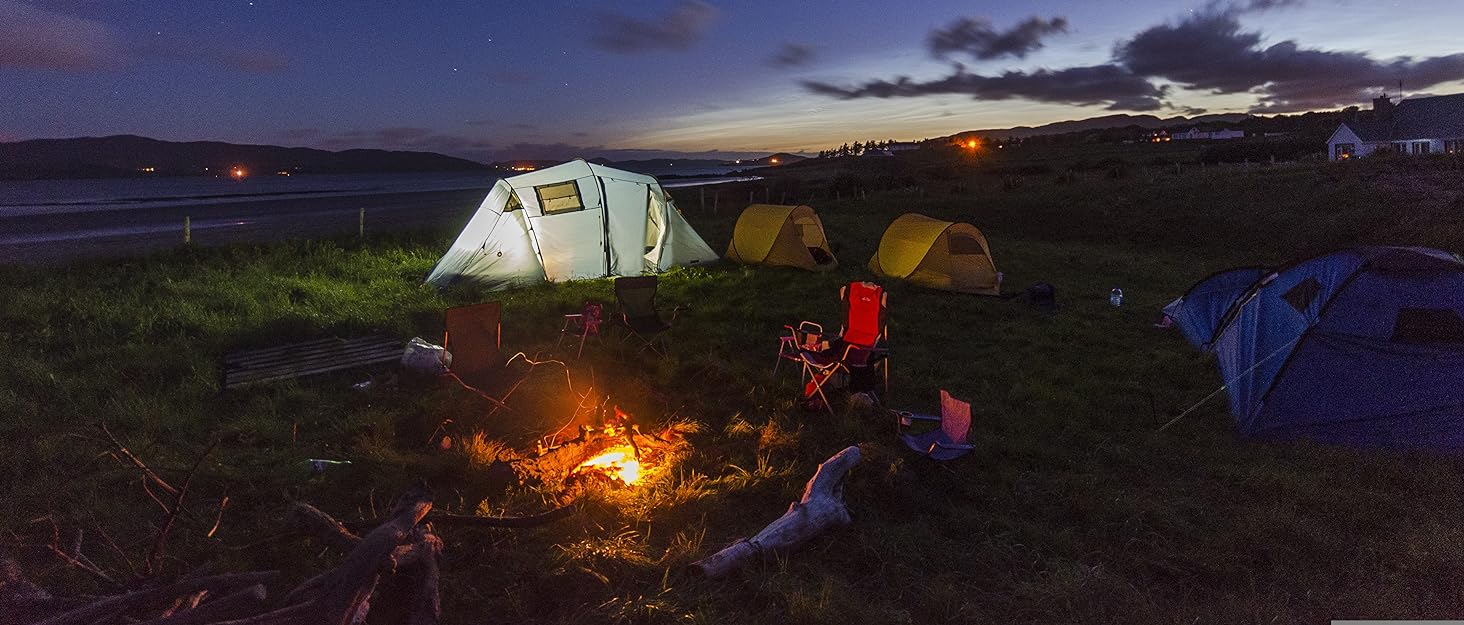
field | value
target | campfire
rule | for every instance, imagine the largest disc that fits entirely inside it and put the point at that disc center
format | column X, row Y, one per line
column 611, row 452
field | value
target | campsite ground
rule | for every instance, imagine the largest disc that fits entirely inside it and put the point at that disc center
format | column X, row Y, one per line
column 1072, row 509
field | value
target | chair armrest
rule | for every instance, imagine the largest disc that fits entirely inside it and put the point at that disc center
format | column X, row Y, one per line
column 954, row 446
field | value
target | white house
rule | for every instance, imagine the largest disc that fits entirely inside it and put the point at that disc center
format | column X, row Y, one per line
column 1195, row 134
column 903, row 146
column 1419, row 126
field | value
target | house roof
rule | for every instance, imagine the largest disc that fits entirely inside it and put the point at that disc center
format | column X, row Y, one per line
column 1438, row 117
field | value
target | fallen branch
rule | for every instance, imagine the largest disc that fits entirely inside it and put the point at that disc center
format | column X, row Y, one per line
column 154, row 560
column 96, row 611
column 470, row 520
column 821, row 508
column 330, row 531
column 426, row 604
column 236, row 605
column 347, row 593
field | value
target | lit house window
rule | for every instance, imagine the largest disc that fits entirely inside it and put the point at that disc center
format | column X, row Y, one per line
column 1345, row 151
column 559, row 198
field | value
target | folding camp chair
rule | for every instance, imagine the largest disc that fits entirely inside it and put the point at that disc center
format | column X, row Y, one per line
column 584, row 324
column 946, row 442
column 636, row 297
column 472, row 337
column 866, row 327
column 861, row 343
column 806, row 336
column 821, row 368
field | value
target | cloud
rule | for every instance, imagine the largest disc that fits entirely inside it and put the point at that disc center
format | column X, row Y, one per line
column 792, row 55
column 678, row 29
column 1207, row 51
column 976, row 37
column 1267, row 5
column 1109, row 85
column 1210, row 51
column 35, row 38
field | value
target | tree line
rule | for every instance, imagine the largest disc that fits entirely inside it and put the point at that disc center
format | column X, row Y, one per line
column 857, row 149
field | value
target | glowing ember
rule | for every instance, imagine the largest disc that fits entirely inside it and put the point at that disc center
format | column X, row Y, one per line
column 617, row 463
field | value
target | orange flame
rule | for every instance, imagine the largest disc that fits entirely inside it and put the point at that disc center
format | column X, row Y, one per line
column 618, row 463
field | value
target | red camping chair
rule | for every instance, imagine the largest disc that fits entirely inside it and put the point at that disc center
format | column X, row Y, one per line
column 947, row 442
column 472, row 337
column 862, row 342
column 584, row 324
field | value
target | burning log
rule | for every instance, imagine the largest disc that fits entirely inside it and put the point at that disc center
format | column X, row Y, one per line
column 821, row 508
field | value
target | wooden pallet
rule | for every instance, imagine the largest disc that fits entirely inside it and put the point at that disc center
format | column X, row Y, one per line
column 301, row 359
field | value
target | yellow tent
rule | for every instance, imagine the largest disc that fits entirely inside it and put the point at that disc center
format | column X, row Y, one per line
column 789, row 236
column 938, row 254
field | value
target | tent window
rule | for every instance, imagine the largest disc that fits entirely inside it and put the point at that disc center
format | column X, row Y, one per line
column 559, row 198
column 513, row 203
column 962, row 245
column 1303, row 294
column 1428, row 325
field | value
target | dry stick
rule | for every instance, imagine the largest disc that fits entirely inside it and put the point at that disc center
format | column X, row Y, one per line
column 55, row 548
column 236, row 605
column 97, row 527
column 159, row 545
column 223, row 503
column 494, row 400
column 821, row 507
column 93, row 612
column 149, row 473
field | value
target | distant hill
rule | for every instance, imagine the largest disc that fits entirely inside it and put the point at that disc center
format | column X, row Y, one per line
column 1100, row 123
column 132, row 156
column 781, row 158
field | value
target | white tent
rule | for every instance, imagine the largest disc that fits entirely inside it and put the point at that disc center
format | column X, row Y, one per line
column 569, row 222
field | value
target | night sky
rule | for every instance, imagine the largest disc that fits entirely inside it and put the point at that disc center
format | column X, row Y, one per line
column 492, row 80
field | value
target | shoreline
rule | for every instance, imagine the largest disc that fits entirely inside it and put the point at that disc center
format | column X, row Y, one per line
column 62, row 237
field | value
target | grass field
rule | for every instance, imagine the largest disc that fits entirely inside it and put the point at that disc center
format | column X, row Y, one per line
column 1073, row 509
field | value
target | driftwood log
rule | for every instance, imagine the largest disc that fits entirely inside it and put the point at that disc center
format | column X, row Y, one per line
column 821, row 508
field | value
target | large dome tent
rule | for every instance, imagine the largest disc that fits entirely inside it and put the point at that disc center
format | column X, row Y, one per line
column 1361, row 347
column 937, row 254
column 778, row 235
column 572, row 221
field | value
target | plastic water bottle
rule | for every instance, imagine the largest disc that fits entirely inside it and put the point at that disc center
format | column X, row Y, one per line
column 1115, row 297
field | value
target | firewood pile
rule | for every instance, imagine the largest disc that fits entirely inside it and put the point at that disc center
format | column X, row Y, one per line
column 390, row 573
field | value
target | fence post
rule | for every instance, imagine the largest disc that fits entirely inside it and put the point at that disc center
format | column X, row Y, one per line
column 187, row 230
column 361, row 223
column 716, row 199
column 703, row 189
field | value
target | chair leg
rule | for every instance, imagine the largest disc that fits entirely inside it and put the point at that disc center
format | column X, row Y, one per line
column 581, row 351
column 818, row 387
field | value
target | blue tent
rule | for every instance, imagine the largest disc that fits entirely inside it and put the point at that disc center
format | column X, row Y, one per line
column 1199, row 311
column 1361, row 347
